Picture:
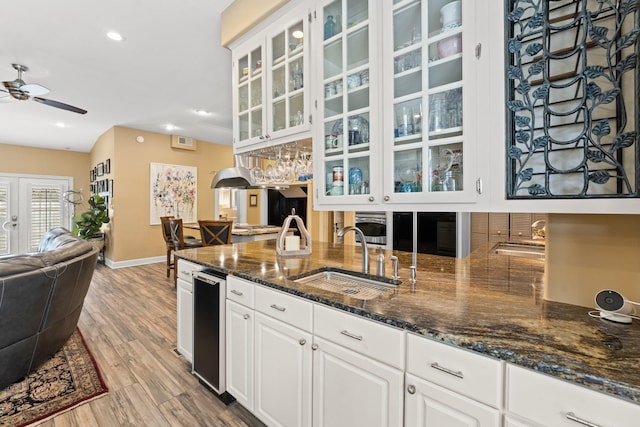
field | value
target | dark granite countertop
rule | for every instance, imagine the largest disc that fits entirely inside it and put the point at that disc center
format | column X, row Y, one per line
column 486, row 302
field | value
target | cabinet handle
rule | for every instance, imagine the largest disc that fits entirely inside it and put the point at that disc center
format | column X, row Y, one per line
column 411, row 389
column 245, row 317
column 314, row 347
column 303, row 341
column 371, row 199
column 350, row 335
column 479, row 186
column 447, row 370
column 233, row 291
column 571, row 416
column 478, row 50
column 277, row 307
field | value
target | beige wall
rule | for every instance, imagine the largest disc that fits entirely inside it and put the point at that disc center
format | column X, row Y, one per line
column 131, row 233
column 242, row 15
column 253, row 212
column 38, row 161
column 589, row 253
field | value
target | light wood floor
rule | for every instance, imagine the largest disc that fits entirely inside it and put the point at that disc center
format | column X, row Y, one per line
column 129, row 323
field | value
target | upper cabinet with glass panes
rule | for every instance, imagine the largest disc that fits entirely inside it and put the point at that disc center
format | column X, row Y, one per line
column 271, row 78
column 418, row 143
column 348, row 129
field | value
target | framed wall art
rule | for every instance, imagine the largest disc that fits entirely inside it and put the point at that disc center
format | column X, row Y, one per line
column 173, row 191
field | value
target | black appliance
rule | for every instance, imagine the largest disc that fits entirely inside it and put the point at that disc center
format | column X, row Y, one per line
column 281, row 202
column 435, row 232
column 209, row 360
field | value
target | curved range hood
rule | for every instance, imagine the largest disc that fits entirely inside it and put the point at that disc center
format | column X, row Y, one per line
column 237, row 177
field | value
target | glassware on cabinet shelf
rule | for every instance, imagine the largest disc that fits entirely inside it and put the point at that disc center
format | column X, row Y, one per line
column 329, row 27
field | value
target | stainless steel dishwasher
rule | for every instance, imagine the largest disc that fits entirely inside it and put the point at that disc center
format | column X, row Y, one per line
column 209, row 362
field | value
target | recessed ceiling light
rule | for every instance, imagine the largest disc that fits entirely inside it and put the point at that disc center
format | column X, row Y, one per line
column 170, row 127
column 115, row 36
column 298, row 34
column 61, row 125
column 203, row 112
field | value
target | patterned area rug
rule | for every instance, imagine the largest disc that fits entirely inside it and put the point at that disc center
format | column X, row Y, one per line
column 68, row 379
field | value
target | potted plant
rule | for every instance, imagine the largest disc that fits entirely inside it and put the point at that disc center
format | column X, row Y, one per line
column 89, row 223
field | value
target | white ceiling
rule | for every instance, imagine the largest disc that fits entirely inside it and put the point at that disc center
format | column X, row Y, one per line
column 170, row 64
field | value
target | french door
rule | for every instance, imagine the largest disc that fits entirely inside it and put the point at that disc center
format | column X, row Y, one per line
column 29, row 206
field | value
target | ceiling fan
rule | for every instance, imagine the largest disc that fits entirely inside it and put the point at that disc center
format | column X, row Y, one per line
column 22, row 91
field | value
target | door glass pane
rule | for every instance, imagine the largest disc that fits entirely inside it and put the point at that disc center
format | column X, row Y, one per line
column 4, row 216
column 46, row 211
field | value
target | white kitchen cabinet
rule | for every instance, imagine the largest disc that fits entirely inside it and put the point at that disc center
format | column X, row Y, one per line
column 448, row 386
column 428, row 405
column 270, row 82
column 421, row 143
column 184, row 299
column 548, row 401
column 358, row 368
column 283, row 359
column 348, row 131
column 494, row 131
column 353, row 390
column 239, row 353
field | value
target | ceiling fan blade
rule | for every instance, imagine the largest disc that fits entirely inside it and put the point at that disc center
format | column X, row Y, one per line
column 60, row 105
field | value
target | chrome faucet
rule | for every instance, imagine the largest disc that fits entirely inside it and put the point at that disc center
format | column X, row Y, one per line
column 363, row 243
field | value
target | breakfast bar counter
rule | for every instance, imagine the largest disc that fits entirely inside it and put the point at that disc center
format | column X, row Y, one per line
column 488, row 303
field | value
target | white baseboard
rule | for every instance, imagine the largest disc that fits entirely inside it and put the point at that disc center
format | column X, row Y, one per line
column 134, row 262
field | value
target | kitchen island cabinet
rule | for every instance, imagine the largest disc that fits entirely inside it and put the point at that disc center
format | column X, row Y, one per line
column 479, row 303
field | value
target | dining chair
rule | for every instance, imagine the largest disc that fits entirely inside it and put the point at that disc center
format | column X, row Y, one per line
column 166, row 235
column 215, row 232
column 176, row 230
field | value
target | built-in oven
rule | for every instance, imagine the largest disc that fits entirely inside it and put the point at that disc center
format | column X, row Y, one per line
column 373, row 226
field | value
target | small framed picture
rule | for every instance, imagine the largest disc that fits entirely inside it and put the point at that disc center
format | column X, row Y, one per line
column 111, row 188
column 100, row 170
column 107, row 166
column 92, row 175
column 92, row 189
column 253, row 200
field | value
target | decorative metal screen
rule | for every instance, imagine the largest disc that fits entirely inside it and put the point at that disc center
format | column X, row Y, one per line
column 572, row 98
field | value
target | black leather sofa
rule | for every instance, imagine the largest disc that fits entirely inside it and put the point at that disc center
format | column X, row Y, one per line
column 41, row 297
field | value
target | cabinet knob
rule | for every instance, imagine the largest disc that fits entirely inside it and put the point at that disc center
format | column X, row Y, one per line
column 314, row 347
column 245, row 317
column 411, row 389
column 387, row 198
column 371, row 199
column 303, row 341
column 499, row 232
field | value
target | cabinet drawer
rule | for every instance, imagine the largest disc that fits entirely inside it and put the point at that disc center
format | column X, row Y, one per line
column 372, row 339
column 553, row 402
column 472, row 375
column 185, row 268
column 289, row 309
column 241, row 291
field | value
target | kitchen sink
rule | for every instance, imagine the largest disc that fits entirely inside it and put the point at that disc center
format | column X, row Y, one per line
column 349, row 283
column 522, row 249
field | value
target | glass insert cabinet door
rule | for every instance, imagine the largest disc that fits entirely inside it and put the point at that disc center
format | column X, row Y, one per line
column 288, row 70
column 250, row 93
column 427, row 70
column 346, row 39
